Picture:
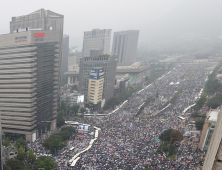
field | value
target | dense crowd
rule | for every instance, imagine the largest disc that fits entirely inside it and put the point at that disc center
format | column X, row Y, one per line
column 128, row 142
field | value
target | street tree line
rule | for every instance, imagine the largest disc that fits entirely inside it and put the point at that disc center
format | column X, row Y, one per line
column 27, row 160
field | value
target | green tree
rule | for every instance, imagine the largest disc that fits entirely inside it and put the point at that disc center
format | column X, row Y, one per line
column 6, row 142
column 15, row 164
column 31, row 156
column 63, row 106
column 176, row 135
column 45, row 162
column 20, row 143
column 171, row 135
column 21, row 154
column 199, row 124
column 68, row 108
column 82, row 110
column 195, row 114
column 60, row 119
column 74, row 87
column 165, row 136
column 215, row 101
column 75, row 108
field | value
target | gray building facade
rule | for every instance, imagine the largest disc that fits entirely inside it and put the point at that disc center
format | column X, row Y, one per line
column 29, row 69
column 97, row 39
column 65, row 54
column 107, row 63
column 41, row 20
column 125, row 45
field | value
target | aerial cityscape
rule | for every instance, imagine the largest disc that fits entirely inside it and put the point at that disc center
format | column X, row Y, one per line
column 100, row 86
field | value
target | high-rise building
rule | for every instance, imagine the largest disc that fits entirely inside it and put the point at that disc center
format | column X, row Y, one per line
column 125, row 45
column 97, row 60
column 65, row 54
column 95, row 86
column 1, row 160
column 41, row 20
column 213, row 158
column 29, row 69
column 97, row 39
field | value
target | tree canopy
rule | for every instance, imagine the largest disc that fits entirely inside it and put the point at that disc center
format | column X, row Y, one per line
column 199, row 124
column 215, row 101
column 20, row 143
column 45, row 162
column 171, row 135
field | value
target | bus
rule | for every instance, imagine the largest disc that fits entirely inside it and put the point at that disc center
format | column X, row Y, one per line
column 180, row 117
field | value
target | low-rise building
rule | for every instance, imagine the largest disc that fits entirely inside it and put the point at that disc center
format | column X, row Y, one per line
column 136, row 70
column 72, row 98
column 9, row 152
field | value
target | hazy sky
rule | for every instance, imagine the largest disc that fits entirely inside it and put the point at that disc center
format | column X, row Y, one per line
column 152, row 17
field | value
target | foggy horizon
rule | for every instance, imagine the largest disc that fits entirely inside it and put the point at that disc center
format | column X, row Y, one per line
column 162, row 24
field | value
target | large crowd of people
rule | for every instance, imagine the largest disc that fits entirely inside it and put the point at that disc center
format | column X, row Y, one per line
column 127, row 140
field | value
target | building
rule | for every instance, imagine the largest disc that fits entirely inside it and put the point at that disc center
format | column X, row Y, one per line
column 97, row 39
column 121, row 83
column 73, row 71
column 107, row 63
column 1, row 157
column 9, row 153
column 125, row 45
column 137, row 71
column 213, row 158
column 95, row 88
column 65, row 54
column 72, row 98
column 208, row 129
column 29, row 69
column 41, row 20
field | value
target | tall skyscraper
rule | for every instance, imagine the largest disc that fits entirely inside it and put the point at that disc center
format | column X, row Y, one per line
column 125, row 45
column 41, row 20
column 65, row 54
column 97, row 39
column 29, row 69
column 97, row 61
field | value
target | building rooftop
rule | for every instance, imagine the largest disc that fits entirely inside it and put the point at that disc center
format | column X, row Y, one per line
column 212, row 116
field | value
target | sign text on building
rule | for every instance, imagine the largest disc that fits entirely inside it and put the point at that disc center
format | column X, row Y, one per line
column 39, row 35
column 21, row 39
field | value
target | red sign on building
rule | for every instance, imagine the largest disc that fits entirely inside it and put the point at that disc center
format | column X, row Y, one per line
column 39, row 34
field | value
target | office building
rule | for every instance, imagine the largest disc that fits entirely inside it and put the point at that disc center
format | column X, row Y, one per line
column 125, row 45
column 95, row 87
column 213, row 158
column 65, row 54
column 41, row 20
column 107, row 63
column 29, row 69
column 97, row 39
column 1, row 149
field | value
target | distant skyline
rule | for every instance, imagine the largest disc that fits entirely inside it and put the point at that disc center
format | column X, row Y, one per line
column 156, row 19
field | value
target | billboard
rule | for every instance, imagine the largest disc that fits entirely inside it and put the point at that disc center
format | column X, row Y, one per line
column 101, row 73
column 94, row 74
column 80, row 99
